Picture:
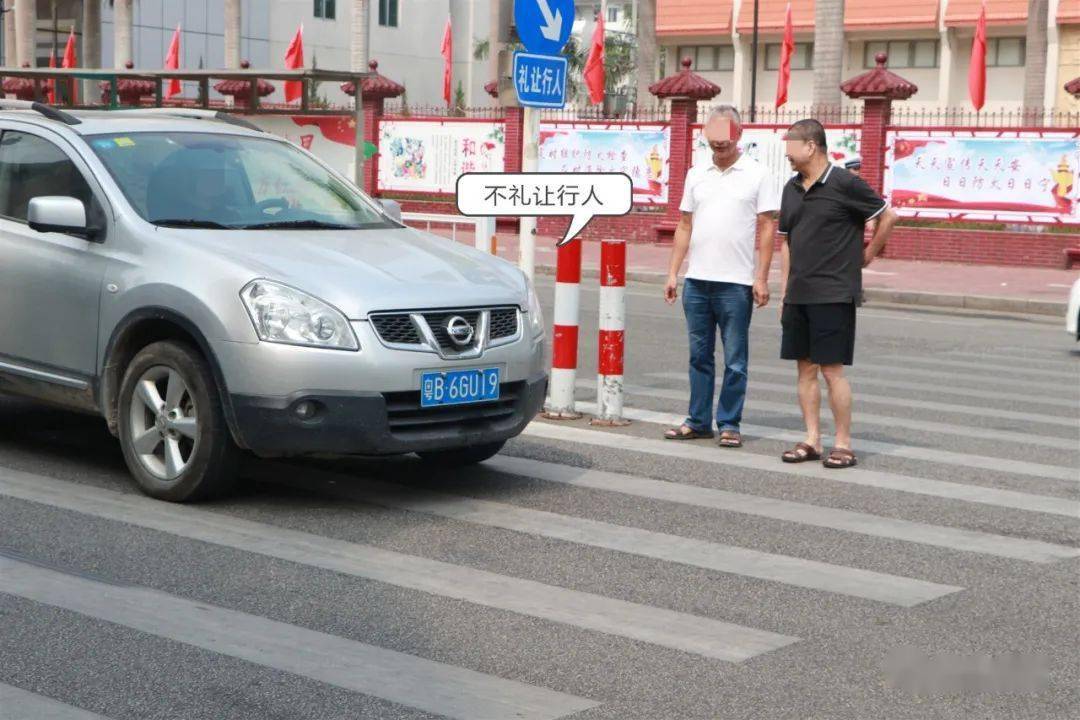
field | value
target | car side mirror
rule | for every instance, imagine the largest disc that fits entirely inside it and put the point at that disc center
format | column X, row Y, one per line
column 57, row 213
column 392, row 208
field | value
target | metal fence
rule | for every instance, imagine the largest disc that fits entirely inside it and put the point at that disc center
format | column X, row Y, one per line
column 968, row 117
column 595, row 113
column 398, row 108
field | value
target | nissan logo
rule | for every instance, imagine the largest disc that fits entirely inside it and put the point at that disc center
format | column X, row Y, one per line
column 459, row 330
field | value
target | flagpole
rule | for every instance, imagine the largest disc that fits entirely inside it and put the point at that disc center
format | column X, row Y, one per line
column 753, row 66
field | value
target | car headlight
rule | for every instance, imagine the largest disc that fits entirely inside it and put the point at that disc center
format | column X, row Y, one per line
column 282, row 314
column 536, row 315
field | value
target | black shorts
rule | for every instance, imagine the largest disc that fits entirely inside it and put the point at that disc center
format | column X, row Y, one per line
column 822, row 333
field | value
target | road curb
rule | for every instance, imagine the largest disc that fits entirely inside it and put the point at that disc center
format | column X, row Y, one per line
column 987, row 303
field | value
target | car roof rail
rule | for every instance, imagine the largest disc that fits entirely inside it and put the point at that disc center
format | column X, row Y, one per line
column 195, row 113
column 46, row 110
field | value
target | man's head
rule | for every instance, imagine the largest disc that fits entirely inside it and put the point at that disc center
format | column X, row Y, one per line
column 723, row 128
column 804, row 144
column 854, row 166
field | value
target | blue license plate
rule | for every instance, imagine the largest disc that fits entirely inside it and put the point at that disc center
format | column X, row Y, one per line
column 457, row 387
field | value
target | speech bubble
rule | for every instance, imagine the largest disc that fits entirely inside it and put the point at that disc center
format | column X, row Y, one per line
column 580, row 195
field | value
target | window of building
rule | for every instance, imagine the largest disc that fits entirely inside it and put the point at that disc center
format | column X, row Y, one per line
column 902, row 53
column 1005, row 52
column 802, row 58
column 388, row 13
column 31, row 166
column 709, row 57
column 613, row 14
column 324, row 9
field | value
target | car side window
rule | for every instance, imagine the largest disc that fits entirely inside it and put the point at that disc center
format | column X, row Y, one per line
column 31, row 166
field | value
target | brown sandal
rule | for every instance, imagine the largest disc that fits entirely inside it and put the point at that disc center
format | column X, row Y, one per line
column 840, row 458
column 730, row 438
column 685, row 432
column 801, row 453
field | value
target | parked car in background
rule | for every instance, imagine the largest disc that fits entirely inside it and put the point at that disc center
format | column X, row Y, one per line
column 208, row 288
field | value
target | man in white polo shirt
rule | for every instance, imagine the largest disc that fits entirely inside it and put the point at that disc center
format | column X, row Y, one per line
column 726, row 206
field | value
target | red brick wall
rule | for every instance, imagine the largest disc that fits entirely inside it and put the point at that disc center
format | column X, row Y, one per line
column 980, row 247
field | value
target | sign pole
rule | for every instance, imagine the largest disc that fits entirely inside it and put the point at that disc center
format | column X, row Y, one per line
column 358, row 117
column 530, row 161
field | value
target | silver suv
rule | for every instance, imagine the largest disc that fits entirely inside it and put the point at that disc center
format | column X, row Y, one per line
column 209, row 288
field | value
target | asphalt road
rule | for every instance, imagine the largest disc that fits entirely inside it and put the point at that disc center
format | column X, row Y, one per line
column 586, row 573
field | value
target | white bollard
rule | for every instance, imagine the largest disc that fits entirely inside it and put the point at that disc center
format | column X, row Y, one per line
column 609, row 379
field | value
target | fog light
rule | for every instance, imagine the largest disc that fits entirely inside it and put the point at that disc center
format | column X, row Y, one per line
column 306, row 410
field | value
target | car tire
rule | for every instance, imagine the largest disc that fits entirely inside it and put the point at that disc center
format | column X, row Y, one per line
column 183, row 451
column 461, row 457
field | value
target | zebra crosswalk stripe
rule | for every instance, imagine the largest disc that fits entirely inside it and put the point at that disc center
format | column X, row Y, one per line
column 854, row 476
column 787, row 510
column 798, row 572
column 387, row 674
column 925, row 454
column 19, row 704
column 905, row 402
column 659, row 626
column 860, row 418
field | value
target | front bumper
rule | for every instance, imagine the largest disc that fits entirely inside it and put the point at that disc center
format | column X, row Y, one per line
column 372, row 423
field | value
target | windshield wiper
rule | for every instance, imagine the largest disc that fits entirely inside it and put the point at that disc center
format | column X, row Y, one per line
column 298, row 225
column 190, row 223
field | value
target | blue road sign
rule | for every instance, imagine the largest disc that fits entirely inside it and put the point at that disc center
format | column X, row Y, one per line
column 540, row 80
column 544, row 25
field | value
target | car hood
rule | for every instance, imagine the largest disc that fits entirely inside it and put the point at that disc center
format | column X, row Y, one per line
column 363, row 271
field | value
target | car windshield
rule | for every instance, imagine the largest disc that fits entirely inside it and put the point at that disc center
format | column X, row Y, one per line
column 231, row 182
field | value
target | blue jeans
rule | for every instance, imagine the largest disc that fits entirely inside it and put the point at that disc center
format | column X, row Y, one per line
column 709, row 305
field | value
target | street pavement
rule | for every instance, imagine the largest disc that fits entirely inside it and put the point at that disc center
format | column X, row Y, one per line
column 586, row 572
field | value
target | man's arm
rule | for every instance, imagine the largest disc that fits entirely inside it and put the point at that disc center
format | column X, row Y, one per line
column 678, row 254
column 885, row 223
column 766, row 234
column 785, row 266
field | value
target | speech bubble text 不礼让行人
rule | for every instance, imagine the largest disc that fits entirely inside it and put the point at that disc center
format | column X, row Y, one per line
column 580, row 195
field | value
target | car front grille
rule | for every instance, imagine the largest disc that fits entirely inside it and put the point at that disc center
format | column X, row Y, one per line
column 404, row 412
column 503, row 323
column 397, row 329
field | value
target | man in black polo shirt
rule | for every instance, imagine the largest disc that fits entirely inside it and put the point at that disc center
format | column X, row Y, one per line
column 823, row 212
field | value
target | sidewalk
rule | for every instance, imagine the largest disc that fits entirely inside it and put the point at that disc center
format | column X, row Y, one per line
column 979, row 287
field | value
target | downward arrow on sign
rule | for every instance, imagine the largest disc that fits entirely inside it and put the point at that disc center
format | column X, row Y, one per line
column 552, row 27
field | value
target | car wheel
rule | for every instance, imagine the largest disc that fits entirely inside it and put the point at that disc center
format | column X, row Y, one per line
column 172, row 427
column 462, row 456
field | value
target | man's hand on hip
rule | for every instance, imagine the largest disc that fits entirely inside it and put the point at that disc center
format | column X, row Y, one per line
column 671, row 290
column 761, row 293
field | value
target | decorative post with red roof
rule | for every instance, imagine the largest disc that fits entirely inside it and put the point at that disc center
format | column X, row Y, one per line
column 375, row 89
column 684, row 89
column 877, row 88
column 245, row 93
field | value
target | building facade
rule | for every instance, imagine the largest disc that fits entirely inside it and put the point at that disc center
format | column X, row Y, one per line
column 405, row 36
column 928, row 42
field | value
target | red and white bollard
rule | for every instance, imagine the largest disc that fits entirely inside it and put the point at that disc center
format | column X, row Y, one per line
column 564, row 344
column 609, row 379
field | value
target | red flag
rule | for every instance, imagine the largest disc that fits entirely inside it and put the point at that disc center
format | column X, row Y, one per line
column 787, row 47
column 448, row 60
column 977, row 67
column 294, row 60
column 50, row 92
column 594, row 66
column 172, row 62
column 70, row 61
